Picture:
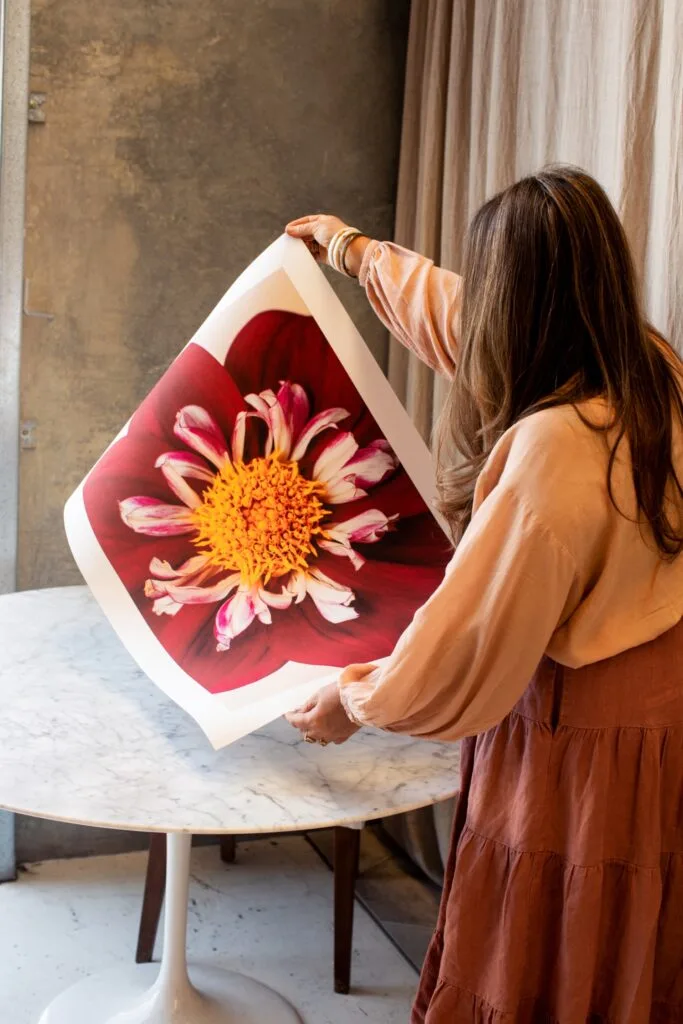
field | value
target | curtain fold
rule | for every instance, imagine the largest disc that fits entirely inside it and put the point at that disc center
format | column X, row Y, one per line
column 496, row 89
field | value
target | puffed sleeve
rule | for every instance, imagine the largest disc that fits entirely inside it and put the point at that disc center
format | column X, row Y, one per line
column 471, row 650
column 418, row 302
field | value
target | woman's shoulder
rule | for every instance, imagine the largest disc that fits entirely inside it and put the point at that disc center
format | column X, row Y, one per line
column 557, row 441
column 555, row 462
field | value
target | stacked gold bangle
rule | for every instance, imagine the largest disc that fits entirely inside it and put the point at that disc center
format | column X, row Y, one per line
column 338, row 247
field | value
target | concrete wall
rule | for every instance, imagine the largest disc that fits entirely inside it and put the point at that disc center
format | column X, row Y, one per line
column 178, row 140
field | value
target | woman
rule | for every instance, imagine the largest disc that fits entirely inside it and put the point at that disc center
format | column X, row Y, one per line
column 555, row 642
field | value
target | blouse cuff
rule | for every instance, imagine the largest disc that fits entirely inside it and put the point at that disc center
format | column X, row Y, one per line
column 355, row 694
column 372, row 252
column 348, row 707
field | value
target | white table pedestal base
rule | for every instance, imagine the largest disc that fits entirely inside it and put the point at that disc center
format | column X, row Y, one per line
column 129, row 995
column 148, row 994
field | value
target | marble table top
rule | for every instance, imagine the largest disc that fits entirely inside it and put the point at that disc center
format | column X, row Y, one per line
column 85, row 737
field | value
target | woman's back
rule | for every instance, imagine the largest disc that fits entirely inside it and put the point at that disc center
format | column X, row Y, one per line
column 551, row 563
column 626, row 593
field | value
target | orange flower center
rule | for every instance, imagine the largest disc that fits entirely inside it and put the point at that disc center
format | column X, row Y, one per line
column 259, row 518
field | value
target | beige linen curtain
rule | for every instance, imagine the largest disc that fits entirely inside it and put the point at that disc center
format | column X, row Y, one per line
column 494, row 90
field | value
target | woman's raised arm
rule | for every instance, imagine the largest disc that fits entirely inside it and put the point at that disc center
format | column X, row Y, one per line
column 417, row 301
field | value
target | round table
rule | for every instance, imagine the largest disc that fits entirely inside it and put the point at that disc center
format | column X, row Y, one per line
column 86, row 738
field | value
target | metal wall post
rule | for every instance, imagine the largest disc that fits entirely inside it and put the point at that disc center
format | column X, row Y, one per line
column 15, row 19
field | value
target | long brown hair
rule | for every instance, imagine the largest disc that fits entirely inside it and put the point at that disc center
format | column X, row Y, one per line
column 551, row 316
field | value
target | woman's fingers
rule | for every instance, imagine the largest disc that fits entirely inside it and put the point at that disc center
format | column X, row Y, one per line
column 300, row 716
column 305, row 229
column 301, row 228
column 317, row 227
column 299, row 222
column 308, row 706
column 295, row 718
column 309, row 231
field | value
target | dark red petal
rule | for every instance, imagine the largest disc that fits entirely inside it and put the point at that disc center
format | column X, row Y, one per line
column 194, row 378
column 279, row 345
column 417, row 541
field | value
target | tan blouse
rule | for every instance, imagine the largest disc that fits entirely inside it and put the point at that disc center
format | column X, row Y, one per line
column 547, row 564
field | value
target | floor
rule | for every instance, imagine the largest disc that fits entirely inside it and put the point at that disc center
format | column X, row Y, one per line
column 65, row 919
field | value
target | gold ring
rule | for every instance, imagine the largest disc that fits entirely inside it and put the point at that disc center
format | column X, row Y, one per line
column 309, row 739
column 323, row 743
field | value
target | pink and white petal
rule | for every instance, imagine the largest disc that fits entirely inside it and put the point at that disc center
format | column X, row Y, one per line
column 166, row 606
column 262, row 403
column 296, row 586
column 366, row 467
column 323, row 421
column 191, row 593
column 296, row 407
column 263, row 613
column 173, row 470
column 233, row 618
column 380, row 445
column 334, row 456
column 366, row 528
column 155, row 518
column 277, row 411
column 186, row 464
column 342, row 492
column 344, row 549
column 199, row 430
column 165, row 571
column 164, row 582
column 239, row 434
column 279, row 601
column 332, row 599
column 371, row 465
column 282, row 436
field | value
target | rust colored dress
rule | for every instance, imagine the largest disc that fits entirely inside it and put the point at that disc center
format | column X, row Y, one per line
column 563, row 899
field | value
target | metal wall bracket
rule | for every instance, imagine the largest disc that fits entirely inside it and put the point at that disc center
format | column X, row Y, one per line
column 27, row 435
column 15, row 29
column 36, row 102
column 34, row 312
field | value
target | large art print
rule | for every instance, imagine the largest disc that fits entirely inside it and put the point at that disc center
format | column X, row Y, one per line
column 264, row 518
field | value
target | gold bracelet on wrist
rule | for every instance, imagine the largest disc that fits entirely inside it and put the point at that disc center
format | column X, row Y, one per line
column 334, row 247
column 337, row 248
column 343, row 249
column 330, row 250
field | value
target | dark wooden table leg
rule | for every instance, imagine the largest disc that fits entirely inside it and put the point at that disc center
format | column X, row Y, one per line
column 153, row 898
column 228, row 849
column 346, row 853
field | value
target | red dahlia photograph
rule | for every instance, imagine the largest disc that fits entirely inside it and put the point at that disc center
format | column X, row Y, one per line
column 257, row 516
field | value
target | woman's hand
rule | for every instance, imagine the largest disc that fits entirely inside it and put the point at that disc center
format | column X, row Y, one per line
column 323, row 719
column 318, row 230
